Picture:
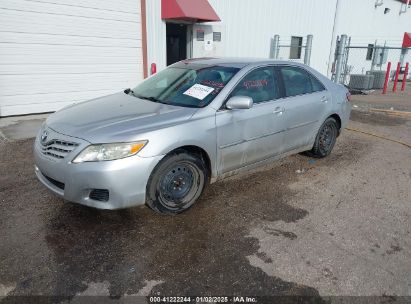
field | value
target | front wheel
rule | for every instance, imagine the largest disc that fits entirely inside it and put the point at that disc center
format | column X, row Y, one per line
column 176, row 183
column 326, row 138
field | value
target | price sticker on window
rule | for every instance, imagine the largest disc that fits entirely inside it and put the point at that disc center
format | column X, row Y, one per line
column 199, row 91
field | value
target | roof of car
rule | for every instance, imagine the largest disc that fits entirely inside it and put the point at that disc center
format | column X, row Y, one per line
column 238, row 62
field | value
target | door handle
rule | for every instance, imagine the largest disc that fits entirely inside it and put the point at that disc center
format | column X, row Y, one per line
column 278, row 110
column 324, row 99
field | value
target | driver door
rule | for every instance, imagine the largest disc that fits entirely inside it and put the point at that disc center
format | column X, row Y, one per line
column 247, row 136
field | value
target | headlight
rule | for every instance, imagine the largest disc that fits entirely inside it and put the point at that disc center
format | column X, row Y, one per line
column 102, row 152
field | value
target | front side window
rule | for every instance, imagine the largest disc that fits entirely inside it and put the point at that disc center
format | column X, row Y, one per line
column 296, row 81
column 187, row 85
column 260, row 84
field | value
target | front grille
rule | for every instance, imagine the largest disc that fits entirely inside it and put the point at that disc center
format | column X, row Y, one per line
column 56, row 183
column 101, row 195
column 58, row 148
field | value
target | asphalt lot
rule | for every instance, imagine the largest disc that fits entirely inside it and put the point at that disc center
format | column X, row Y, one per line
column 336, row 226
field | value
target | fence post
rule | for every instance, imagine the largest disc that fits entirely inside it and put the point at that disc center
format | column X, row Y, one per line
column 308, row 47
column 404, row 80
column 387, row 77
column 276, row 46
column 340, row 55
column 374, row 56
column 397, row 74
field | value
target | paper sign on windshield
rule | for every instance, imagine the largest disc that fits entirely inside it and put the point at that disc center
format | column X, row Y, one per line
column 198, row 91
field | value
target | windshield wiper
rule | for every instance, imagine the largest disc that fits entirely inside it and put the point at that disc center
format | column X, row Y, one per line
column 151, row 98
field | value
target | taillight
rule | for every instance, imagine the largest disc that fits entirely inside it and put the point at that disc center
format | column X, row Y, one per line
column 348, row 96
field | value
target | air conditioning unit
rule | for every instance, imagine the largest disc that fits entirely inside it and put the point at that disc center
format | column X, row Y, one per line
column 379, row 78
column 361, row 82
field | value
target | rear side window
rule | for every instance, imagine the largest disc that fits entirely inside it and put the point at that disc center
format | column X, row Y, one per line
column 317, row 85
column 296, row 81
column 260, row 84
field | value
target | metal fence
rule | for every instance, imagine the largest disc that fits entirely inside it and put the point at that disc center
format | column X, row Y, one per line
column 363, row 67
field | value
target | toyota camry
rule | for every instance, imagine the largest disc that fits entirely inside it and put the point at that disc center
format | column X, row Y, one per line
column 192, row 124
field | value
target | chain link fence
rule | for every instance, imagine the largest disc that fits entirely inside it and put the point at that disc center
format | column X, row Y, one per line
column 363, row 67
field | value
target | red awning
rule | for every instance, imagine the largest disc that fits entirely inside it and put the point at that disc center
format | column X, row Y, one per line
column 188, row 10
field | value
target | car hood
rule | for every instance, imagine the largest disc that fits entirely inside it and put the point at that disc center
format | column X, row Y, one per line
column 117, row 117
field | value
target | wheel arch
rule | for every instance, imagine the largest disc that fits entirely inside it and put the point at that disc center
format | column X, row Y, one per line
column 338, row 120
column 197, row 151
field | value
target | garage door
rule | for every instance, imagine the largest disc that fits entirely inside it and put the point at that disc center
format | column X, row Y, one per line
column 57, row 52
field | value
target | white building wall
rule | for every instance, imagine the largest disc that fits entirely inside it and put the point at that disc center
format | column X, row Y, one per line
column 55, row 53
column 248, row 26
column 367, row 24
column 156, row 35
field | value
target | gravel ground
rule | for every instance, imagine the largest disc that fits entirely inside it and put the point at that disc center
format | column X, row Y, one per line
column 336, row 226
column 401, row 100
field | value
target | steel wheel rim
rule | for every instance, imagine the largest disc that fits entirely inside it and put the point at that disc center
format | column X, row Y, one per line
column 326, row 138
column 179, row 185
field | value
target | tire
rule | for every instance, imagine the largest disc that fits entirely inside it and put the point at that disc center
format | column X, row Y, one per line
column 176, row 183
column 325, row 139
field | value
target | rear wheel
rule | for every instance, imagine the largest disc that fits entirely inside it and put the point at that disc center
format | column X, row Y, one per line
column 326, row 138
column 176, row 183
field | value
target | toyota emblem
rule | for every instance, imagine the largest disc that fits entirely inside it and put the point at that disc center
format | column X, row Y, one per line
column 44, row 136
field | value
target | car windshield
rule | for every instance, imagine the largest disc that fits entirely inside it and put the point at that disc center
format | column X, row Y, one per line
column 187, row 85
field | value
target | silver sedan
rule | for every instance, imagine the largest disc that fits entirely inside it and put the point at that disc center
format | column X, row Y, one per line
column 192, row 124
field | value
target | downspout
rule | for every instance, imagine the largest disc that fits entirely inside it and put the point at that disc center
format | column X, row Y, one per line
column 144, row 37
column 333, row 36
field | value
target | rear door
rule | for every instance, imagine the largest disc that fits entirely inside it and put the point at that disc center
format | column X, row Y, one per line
column 306, row 101
column 250, row 135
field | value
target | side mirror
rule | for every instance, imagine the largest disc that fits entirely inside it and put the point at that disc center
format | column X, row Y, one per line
column 239, row 102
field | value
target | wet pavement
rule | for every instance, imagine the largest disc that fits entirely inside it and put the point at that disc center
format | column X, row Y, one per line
column 336, row 226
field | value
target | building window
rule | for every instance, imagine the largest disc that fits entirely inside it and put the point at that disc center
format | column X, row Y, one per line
column 296, row 46
column 216, row 36
column 370, row 51
column 200, row 35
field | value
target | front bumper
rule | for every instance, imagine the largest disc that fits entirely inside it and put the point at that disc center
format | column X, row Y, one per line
column 125, row 179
